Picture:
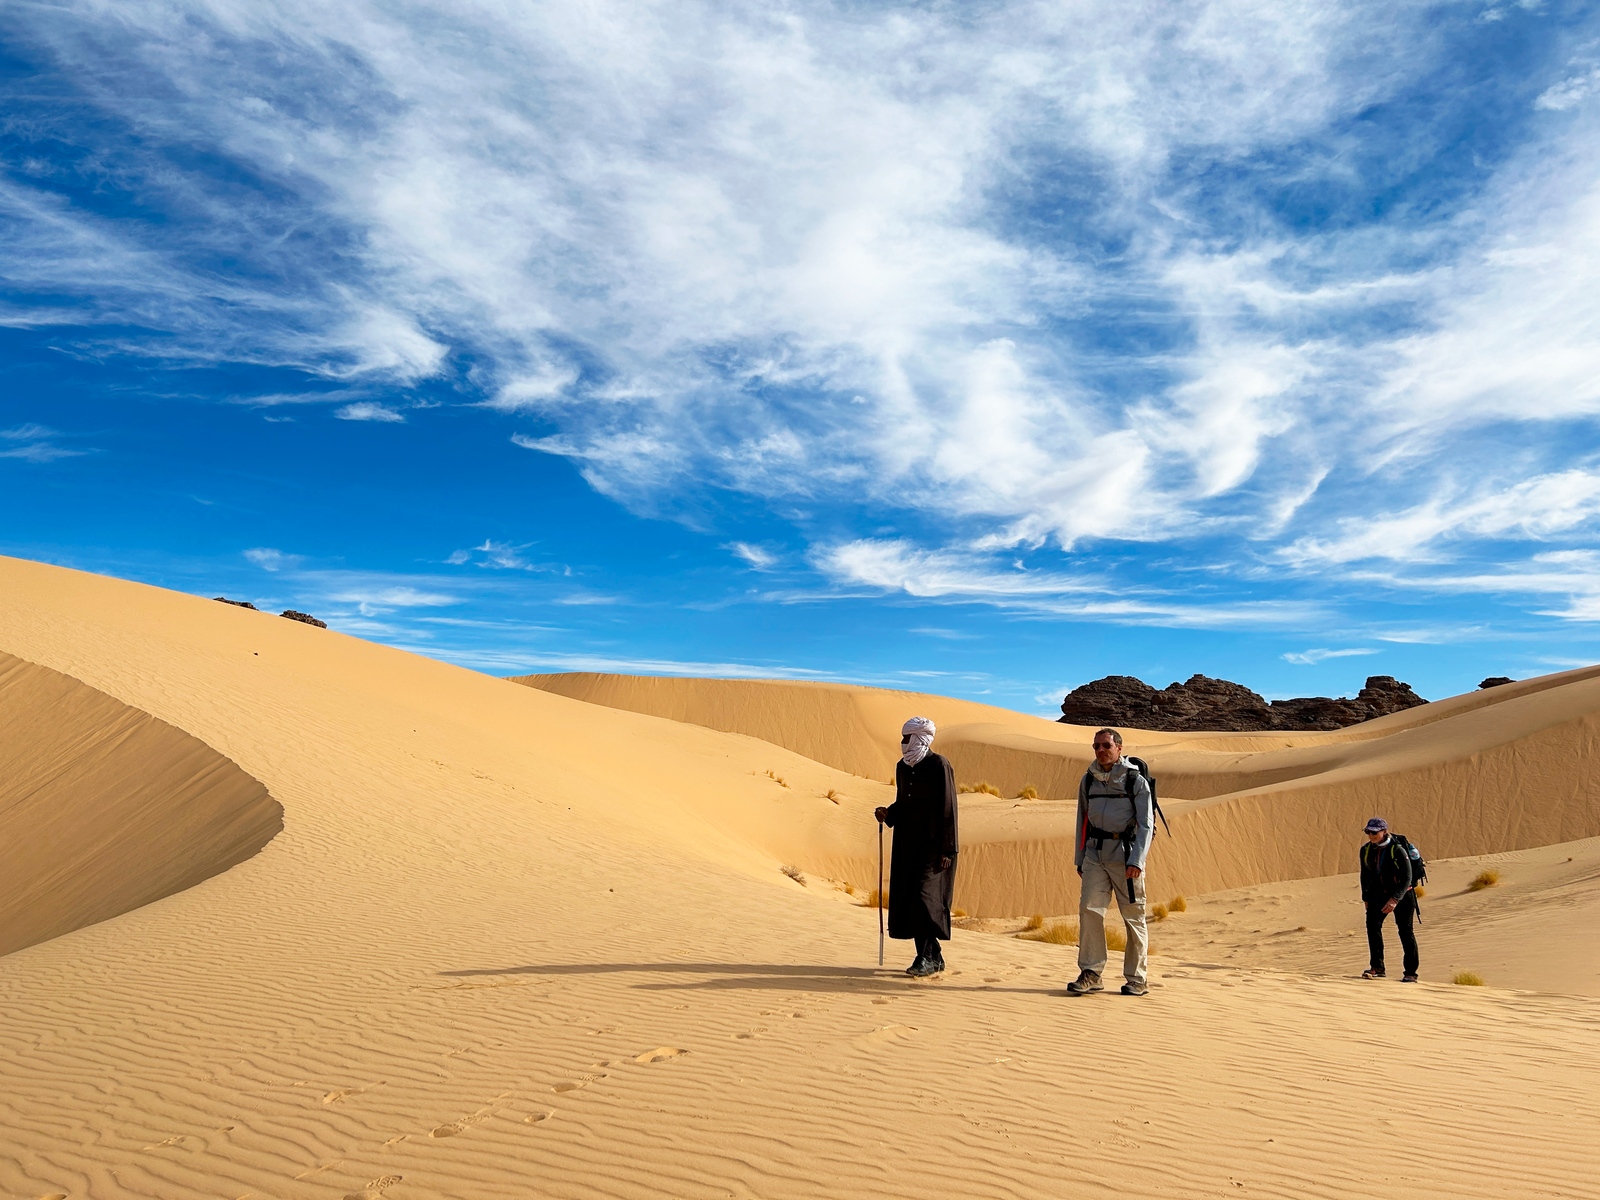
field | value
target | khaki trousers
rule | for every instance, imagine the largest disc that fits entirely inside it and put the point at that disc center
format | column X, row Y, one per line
column 1101, row 881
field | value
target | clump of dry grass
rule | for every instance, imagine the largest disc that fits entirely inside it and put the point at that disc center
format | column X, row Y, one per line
column 1419, row 891
column 849, row 889
column 1116, row 939
column 778, row 779
column 1178, row 904
column 1061, row 934
column 1467, row 979
column 1036, row 921
column 958, row 912
column 793, row 873
column 1028, row 792
column 873, row 899
column 982, row 786
column 1487, row 878
column 1159, row 912
column 830, row 794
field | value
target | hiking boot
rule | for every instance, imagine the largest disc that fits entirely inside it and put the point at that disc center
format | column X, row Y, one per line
column 1087, row 981
column 1409, row 977
column 916, row 966
column 924, row 967
column 1136, row 987
column 1369, row 973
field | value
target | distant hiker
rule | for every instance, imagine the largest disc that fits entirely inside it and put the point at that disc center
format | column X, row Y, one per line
column 922, row 871
column 1386, row 888
column 1113, row 838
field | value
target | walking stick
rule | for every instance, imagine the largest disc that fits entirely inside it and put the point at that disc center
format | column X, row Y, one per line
column 880, row 893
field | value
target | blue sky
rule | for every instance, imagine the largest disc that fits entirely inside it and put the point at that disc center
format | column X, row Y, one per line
column 979, row 348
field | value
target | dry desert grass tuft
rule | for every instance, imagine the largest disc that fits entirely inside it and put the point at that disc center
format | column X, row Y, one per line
column 1116, row 939
column 1159, row 912
column 958, row 912
column 1178, row 904
column 1484, row 879
column 875, row 898
column 793, row 873
column 831, row 794
column 982, row 786
column 1036, row 921
column 1062, row 934
column 1419, row 891
column 1467, row 979
column 778, row 779
column 1028, row 792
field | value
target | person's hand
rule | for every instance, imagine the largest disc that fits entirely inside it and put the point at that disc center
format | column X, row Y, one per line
column 880, row 813
column 1135, row 872
column 944, row 862
column 1389, row 907
column 1080, row 872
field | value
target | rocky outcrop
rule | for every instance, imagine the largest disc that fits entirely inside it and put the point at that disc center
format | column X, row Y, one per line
column 236, row 603
column 1204, row 703
column 1496, row 681
column 306, row 617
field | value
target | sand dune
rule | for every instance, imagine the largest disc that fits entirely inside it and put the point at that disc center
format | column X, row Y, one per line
column 512, row 944
column 1502, row 769
column 106, row 808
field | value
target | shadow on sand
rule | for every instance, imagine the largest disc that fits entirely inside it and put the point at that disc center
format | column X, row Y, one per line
column 704, row 976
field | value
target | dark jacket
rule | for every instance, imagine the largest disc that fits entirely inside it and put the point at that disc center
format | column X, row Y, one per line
column 923, row 817
column 1385, row 871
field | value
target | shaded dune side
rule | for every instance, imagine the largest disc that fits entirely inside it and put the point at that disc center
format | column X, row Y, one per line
column 1482, row 773
column 104, row 808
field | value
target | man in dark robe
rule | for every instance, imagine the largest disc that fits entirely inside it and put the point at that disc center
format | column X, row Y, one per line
column 922, row 872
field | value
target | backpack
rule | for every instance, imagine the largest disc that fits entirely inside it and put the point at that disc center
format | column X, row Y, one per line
column 1144, row 769
column 1419, row 869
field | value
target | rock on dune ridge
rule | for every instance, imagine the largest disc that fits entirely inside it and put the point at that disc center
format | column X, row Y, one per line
column 1503, row 769
column 509, row 943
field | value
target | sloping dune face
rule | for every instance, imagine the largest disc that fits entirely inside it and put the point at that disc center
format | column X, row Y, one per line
column 106, row 808
column 1503, row 769
column 510, row 944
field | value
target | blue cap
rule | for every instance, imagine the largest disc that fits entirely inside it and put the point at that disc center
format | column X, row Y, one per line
column 1377, row 825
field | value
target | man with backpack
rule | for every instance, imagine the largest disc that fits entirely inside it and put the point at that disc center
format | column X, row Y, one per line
column 1386, row 887
column 1114, row 829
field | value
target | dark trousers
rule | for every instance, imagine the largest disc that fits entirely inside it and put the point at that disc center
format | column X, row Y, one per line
column 928, row 947
column 1405, row 914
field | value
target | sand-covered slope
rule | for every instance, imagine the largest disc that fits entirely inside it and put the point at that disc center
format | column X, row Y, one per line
column 510, row 944
column 1503, row 769
column 103, row 808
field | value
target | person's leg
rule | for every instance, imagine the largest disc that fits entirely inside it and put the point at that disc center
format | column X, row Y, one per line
column 1404, row 917
column 1375, row 915
column 1135, row 960
column 1094, row 898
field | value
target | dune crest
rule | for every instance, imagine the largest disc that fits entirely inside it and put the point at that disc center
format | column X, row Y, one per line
column 105, row 808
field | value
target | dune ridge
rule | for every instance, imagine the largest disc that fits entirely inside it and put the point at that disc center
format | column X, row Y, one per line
column 105, row 808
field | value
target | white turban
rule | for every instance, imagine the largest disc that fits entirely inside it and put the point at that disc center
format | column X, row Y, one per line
column 920, row 730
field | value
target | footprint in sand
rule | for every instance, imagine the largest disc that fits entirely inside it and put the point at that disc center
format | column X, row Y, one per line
column 174, row 1140
column 460, row 1126
column 659, row 1054
column 335, row 1096
column 374, row 1190
column 747, row 1034
column 881, row 1001
column 570, row 1085
column 327, row 1166
column 993, row 979
column 537, row 1118
column 54, row 1196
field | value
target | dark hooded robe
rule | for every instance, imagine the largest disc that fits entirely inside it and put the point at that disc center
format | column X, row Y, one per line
column 923, row 817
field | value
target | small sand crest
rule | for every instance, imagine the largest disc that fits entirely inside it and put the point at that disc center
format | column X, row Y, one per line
column 105, row 808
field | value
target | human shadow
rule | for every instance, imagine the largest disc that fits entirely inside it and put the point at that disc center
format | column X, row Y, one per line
column 711, row 976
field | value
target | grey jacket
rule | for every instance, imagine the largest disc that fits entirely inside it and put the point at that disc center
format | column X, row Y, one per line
column 1105, row 805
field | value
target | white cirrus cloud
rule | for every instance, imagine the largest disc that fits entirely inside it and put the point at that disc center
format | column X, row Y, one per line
column 369, row 410
column 753, row 555
column 1310, row 658
column 269, row 559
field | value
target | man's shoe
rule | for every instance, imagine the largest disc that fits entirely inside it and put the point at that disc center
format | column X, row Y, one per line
column 1410, row 977
column 1135, row 987
column 1369, row 973
column 1087, row 981
column 924, row 967
column 916, row 966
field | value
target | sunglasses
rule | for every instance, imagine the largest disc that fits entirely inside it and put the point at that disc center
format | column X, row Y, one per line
column 1104, row 745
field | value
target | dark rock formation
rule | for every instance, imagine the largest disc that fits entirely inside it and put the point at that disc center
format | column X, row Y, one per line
column 1496, row 681
column 306, row 617
column 1216, row 704
column 237, row 603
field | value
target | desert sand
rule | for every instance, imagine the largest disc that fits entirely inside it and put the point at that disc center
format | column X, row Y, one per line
column 514, row 943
